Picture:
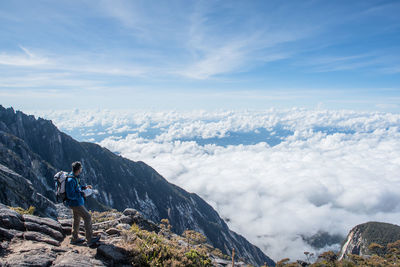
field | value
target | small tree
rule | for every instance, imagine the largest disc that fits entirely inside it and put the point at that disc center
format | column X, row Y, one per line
column 328, row 256
column 194, row 237
column 165, row 224
column 309, row 256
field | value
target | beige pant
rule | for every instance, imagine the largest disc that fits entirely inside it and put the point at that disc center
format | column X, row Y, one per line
column 81, row 212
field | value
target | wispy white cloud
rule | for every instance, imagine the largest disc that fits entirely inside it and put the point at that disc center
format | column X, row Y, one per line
column 374, row 62
column 27, row 58
column 30, row 70
column 215, row 51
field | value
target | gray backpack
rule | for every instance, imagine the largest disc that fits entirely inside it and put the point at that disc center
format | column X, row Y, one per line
column 60, row 179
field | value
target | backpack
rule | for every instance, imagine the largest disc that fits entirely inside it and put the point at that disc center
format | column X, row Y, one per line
column 60, row 179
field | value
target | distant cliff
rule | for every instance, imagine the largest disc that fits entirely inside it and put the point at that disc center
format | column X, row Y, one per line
column 360, row 238
column 32, row 150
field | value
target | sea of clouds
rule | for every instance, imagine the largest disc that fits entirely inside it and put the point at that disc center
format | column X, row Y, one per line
column 274, row 175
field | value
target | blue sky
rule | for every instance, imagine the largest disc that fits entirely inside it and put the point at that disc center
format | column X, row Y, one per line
column 200, row 54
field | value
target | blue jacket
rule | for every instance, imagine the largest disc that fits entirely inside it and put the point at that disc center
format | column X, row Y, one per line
column 74, row 192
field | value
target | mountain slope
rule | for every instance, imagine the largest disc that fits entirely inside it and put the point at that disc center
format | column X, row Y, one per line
column 36, row 149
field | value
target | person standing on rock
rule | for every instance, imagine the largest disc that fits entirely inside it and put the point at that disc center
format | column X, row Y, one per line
column 75, row 200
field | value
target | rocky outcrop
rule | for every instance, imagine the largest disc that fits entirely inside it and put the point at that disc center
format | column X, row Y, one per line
column 35, row 149
column 27, row 240
column 362, row 235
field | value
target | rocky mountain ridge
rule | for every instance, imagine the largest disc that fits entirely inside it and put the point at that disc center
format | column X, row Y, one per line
column 33, row 150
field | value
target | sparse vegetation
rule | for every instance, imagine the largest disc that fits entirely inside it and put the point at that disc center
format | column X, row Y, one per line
column 22, row 211
column 164, row 248
column 98, row 217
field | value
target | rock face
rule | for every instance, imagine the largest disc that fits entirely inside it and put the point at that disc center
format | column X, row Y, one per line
column 33, row 150
column 16, row 190
column 362, row 235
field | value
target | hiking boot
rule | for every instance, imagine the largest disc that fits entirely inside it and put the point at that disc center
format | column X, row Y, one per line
column 93, row 241
column 77, row 241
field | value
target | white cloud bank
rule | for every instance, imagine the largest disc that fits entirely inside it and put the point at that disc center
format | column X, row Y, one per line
column 310, row 181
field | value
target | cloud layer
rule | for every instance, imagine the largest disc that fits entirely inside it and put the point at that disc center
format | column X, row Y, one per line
column 330, row 170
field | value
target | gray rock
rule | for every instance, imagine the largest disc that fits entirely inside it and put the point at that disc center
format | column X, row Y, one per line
column 67, row 230
column 113, row 253
column 65, row 222
column 145, row 224
column 130, row 212
column 113, row 231
column 126, row 219
column 8, row 234
column 43, row 221
column 72, row 259
column 105, row 224
column 39, row 237
column 30, row 226
column 34, row 257
column 11, row 219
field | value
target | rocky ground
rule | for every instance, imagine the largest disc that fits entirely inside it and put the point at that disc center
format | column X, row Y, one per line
column 127, row 239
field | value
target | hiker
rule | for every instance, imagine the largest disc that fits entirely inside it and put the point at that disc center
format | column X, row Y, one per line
column 75, row 200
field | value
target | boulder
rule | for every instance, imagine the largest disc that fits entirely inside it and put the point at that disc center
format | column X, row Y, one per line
column 130, row 212
column 115, row 254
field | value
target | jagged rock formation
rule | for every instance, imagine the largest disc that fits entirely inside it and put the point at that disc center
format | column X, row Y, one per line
column 16, row 190
column 27, row 240
column 362, row 235
column 33, row 150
